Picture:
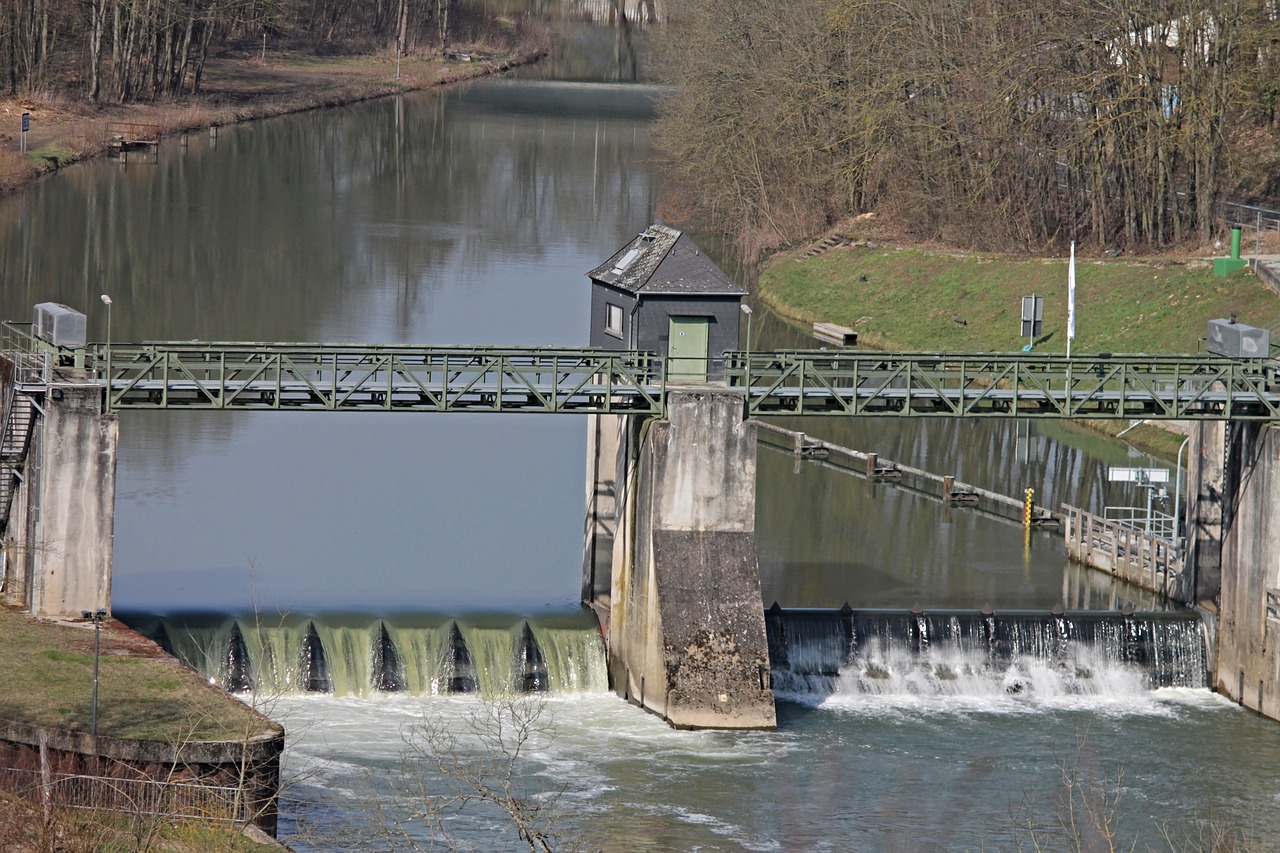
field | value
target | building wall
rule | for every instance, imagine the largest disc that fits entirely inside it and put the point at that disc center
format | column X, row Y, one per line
column 647, row 329
column 601, row 296
column 653, row 323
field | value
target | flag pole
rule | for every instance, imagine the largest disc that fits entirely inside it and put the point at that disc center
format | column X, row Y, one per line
column 1071, row 299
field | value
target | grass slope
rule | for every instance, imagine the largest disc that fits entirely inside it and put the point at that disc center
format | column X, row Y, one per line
column 46, row 679
column 914, row 299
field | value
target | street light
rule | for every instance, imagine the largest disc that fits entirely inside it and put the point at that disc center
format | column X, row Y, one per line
column 746, row 309
column 97, row 616
column 106, row 300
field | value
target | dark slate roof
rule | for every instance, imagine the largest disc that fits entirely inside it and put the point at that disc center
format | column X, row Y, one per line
column 662, row 260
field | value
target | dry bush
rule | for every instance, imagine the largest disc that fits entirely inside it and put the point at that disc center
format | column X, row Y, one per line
column 15, row 170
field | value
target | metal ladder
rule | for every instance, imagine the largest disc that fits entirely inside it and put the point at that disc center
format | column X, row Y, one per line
column 15, row 439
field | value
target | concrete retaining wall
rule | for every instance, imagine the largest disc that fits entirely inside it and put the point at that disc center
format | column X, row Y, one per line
column 686, row 631
column 253, row 765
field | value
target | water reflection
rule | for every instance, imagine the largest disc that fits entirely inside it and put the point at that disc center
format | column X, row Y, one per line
column 437, row 218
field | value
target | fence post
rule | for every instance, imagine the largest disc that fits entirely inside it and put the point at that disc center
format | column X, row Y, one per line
column 46, row 780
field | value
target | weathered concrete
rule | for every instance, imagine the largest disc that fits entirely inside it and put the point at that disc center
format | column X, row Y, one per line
column 1205, row 480
column 1247, row 665
column 686, row 623
column 60, row 533
column 607, row 466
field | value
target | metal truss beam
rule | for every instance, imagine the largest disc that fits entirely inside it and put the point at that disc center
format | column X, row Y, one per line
column 1105, row 386
column 839, row 383
column 328, row 377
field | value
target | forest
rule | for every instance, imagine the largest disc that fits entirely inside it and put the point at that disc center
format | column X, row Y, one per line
column 119, row 51
column 1000, row 124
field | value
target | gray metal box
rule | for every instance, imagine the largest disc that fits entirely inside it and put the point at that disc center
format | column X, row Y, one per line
column 1236, row 340
column 59, row 325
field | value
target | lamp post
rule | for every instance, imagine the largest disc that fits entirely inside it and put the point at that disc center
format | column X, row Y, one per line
column 746, row 309
column 97, row 616
column 106, row 300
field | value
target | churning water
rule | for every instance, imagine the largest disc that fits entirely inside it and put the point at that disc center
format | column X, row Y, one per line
column 942, row 746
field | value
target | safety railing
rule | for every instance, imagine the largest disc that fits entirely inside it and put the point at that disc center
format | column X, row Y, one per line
column 1151, row 522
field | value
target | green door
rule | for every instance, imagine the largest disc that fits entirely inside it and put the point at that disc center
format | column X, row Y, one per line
column 687, row 349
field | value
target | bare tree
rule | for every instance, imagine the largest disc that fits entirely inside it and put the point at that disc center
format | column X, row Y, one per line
column 473, row 764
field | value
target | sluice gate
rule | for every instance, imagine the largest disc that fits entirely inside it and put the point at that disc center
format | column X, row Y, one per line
column 815, row 650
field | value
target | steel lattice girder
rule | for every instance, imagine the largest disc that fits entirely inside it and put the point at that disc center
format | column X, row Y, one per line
column 1157, row 387
column 332, row 377
column 380, row 378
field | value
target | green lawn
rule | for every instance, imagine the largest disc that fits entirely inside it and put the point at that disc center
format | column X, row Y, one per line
column 913, row 299
column 46, row 679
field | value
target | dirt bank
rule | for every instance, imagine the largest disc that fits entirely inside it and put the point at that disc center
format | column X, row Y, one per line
column 65, row 130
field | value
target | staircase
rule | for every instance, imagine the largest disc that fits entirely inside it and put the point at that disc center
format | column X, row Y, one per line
column 15, row 439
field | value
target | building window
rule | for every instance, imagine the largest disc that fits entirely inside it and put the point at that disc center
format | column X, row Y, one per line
column 613, row 319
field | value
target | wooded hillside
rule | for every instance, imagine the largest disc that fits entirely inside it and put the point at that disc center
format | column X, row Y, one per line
column 1003, row 124
column 124, row 50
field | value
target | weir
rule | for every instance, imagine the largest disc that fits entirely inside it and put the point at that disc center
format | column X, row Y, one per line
column 1012, row 652
column 362, row 656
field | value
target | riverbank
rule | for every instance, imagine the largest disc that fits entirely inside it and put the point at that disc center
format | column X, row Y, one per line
column 159, row 726
column 929, row 299
column 905, row 297
column 237, row 88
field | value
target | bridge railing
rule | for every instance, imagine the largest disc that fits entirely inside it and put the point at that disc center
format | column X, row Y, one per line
column 1171, row 387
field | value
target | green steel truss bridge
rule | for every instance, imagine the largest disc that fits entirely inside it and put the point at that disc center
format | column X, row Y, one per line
column 843, row 383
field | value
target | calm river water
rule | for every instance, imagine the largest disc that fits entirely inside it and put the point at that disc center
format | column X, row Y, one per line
column 471, row 216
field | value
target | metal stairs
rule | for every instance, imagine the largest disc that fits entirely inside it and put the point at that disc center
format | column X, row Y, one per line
column 15, row 439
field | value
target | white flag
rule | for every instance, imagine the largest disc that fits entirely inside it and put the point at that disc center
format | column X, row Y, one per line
column 1071, row 298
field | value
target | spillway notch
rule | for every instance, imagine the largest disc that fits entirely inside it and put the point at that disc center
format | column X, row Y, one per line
column 531, row 666
column 237, row 670
column 313, row 664
column 388, row 670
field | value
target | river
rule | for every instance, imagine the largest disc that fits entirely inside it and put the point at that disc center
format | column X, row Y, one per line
column 470, row 216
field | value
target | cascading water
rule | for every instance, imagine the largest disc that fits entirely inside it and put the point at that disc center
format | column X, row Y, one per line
column 913, row 653
column 361, row 656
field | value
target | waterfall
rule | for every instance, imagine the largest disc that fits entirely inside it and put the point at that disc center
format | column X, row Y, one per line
column 982, row 652
column 361, row 655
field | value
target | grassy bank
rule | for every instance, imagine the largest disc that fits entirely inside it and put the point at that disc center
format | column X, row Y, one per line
column 915, row 299
column 46, row 679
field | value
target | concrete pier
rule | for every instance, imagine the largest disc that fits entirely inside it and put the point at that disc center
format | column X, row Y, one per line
column 686, row 632
column 58, row 545
column 1243, row 506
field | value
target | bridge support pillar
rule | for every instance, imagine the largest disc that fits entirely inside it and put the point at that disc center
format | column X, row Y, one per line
column 1247, row 659
column 59, row 538
column 686, row 631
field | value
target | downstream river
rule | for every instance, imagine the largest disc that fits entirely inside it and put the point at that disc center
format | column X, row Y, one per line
column 471, row 216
